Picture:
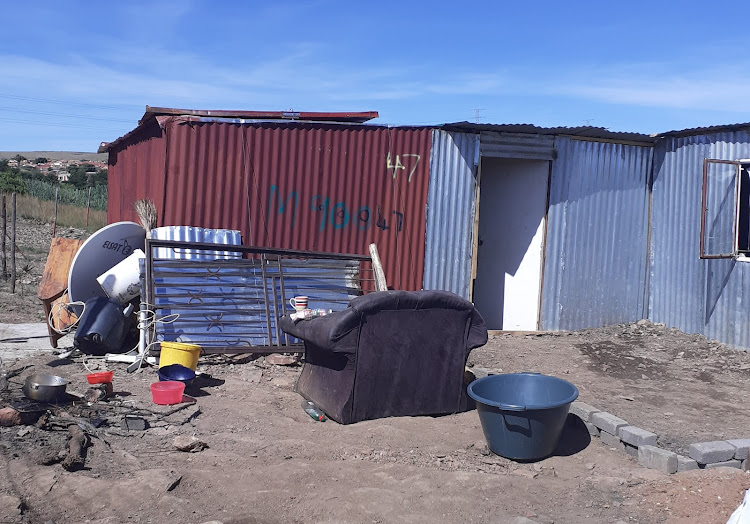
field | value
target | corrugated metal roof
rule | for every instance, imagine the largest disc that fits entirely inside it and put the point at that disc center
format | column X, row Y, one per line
column 581, row 131
column 693, row 131
column 597, row 235
column 353, row 117
column 159, row 113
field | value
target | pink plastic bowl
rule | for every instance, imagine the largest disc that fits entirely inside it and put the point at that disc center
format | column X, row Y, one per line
column 167, row 392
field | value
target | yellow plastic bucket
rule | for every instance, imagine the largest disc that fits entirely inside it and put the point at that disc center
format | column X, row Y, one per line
column 179, row 353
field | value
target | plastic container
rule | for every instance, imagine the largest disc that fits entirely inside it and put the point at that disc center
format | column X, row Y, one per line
column 314, row 411
column 522, row 414
column 101, row 377
column 103, row 327
column 179, row 353
column 176, row 372
column 122, row 282
column 167, row 392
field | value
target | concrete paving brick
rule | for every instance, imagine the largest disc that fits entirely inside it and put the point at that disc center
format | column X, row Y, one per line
column 734, row 463
column 593, row 430
column 612, row 441
column 742, row 445
column 608, row 422
column 686, row 464
column 632, row 450
column 710, row 452
column 657, row 458
column 636, row 436
column 583, row 410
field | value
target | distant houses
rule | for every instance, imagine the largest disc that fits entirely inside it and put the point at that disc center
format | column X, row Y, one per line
column 57, row 168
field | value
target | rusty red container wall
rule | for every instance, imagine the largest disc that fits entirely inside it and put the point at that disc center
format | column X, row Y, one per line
column 331, row 188
column 136, row 170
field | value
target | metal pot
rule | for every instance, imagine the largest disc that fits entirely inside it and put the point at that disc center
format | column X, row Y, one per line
column 44, row 388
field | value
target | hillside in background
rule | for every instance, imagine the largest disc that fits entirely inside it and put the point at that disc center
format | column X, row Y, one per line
column 56, row 155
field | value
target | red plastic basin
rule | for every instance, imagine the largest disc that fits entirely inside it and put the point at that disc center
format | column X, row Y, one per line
column 167, row 392
column 101, row 377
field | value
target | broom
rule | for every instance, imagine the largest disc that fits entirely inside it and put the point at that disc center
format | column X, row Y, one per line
column 146, row 211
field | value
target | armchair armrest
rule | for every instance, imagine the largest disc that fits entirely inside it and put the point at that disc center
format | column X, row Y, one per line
column 328, row 332
column 477, row 331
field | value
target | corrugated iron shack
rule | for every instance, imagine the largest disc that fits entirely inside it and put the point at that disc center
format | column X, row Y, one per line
column 543, row 228
column 306, row 181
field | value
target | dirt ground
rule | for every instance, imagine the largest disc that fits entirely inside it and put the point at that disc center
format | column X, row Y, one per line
column 266, row 460
column 32, row 240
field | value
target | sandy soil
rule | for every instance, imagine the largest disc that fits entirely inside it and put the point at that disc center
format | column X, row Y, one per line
column 268, row 461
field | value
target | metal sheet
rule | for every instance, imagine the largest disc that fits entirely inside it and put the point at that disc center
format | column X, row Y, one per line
column 230, row 237
column 597, row 235
column 711, row 297
column 305, row 186
column 230, row 303
column 579, row 131
column 450, row 212
column 513, row 145
column 135, row 171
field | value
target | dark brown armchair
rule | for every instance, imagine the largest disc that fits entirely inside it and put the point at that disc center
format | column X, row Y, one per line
column 390, row 353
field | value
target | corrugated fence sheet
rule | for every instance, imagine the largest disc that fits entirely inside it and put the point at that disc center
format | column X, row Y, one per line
column 597, row 235
column 294, row 185
column 451, row 204
column 711, row 297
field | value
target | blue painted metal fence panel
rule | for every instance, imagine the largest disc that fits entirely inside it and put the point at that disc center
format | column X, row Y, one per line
column 597, row 235
column 451, row 202
column 711, row 297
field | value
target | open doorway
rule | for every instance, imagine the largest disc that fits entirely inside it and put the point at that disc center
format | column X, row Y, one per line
column 512, row 211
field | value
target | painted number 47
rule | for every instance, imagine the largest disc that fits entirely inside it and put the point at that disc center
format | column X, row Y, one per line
column 411, row 159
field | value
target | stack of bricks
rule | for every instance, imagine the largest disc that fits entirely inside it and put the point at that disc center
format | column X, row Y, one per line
column 641, row 444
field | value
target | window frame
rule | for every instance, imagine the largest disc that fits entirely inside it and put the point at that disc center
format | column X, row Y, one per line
column 704, row 196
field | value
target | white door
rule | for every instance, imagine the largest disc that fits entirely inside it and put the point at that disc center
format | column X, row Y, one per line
column 512, row 208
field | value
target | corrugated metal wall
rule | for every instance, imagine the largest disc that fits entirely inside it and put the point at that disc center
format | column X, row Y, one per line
column 320, row 187
column 451, row 204
column 133, row 168
column 711, row 297
column 597, row 235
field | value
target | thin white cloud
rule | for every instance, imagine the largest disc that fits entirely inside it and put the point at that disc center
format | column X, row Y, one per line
column 716, row 88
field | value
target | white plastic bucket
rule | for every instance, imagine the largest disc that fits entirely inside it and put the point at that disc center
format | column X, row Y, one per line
column 122, row 282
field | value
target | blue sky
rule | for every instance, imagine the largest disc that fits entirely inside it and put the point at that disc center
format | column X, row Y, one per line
column 73, row 74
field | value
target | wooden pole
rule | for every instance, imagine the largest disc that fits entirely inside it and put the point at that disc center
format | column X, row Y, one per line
column 54, row 220
column 5, row 232
column 88, row 206
column 13, row 244
column 377, row 268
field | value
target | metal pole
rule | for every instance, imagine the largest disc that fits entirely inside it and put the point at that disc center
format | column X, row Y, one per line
column 5, row 232
column 54, row 220
column 13, row 245
column 88, row 206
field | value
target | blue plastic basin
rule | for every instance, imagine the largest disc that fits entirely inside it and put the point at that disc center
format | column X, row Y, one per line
column 522, row 414
column 177, row 372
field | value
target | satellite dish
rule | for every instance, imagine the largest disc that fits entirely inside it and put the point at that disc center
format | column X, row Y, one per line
column 103, row 250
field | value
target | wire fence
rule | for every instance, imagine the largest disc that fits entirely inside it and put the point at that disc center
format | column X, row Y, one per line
column 68, row 194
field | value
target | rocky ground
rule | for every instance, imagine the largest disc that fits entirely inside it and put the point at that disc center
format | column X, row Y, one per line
column 263, row 459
